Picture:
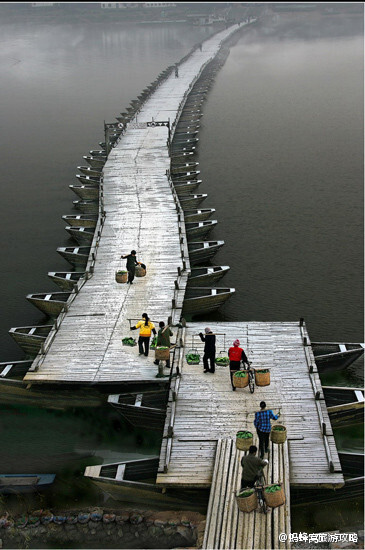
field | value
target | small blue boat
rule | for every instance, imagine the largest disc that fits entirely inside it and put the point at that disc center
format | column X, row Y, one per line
column 25, row 483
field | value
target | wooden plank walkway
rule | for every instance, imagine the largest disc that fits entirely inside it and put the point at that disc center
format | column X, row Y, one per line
column 141, row 214
column 229, row 528
column 206, row 409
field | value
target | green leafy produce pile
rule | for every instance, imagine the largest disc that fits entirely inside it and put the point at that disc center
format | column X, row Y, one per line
column 154, row 343
column 162, row 347
column 222, row 360
column 245, row 494
column 192, row 358
column 121, row 272
column 273, row 489
column 279, row 428
column 129, row 342
column 244, row 435
column 264, row 371
column 240, row 374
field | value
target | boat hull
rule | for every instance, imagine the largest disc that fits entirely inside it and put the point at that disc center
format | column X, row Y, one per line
column 205, row 304
column 86, row 192
column 67, row 280
column 198, row 215
column 50, row 304
column 189, row 202
column 87, row 207
column 81, row 220
column 210, row 276
column 25, row 483
column 30, row 339
column 84, row 236
column 74, row 256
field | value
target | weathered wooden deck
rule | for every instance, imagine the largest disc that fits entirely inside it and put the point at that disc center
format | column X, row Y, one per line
column 141, row 214
column 229, row 528
column 205, row 409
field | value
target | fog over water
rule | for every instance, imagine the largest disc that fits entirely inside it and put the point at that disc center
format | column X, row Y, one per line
column 281, row 158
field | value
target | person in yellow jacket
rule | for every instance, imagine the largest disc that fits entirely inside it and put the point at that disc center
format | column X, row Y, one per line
column 146, row 327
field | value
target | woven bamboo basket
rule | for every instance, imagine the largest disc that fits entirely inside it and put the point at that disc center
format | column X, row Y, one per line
column 278, row 436
column 121, row 276
column 162, row 354
column 140, row 271
column 274, row 499
column 262, row 378
column 240, row 382
column 247, row 504
column 243, row 444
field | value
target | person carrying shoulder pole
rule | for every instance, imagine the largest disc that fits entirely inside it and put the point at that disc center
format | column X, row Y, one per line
column 131, row 265
column 263, row 427
column 209, row 350
column 163, row 339
column 146, row 327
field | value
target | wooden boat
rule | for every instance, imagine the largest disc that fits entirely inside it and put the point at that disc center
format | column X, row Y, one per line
column 88, row 171
column 345, row 405
column 24, row 483
column 184, row 144
column 76, row 255
column 352, row 464
column 332, row 356
column 86, row 192
column 185, row 123
column 87, row 206
column 145, row 410
column 67, row 280
column 98, row 153
column 199, row 230
column 352, row 489
column 198, row 215
column 178, row 159
column 192, row 201
column 30, row 339
column 89, row 180
column 178, row 177
column 95, row 162
column 81, row 220
column 51, row 304
column 187, row 129
column 133, row 481
column 205, row 276
column 14, row 369
column 201, row 251
column 187, row 187
column 83, row 235
column 184, row 135
column 187, row 167
column 202, row 300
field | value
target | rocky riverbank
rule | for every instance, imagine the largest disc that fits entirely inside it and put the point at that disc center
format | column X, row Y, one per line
column 102, row 528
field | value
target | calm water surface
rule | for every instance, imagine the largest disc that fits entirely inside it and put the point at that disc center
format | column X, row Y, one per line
column 281, row 158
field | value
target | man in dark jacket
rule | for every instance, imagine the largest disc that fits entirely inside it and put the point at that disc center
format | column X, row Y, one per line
column 163, row 339
column 251, row 467
column 209, row 350
column 131, row 265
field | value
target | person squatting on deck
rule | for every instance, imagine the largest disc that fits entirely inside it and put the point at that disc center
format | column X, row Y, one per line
column 251, row 467
column 131, row 265
column 236, row 355
column 209, row 350
column 146, row 327
column 263, row 427
column 163, row 339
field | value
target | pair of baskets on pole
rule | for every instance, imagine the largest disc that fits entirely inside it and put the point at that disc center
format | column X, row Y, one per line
column 121, row 275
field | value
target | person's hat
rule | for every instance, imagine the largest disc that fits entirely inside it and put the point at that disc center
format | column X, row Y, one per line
column 207, row 329
column 236, row 342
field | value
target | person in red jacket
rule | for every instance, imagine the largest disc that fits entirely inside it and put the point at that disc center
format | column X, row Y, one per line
column 236, row 355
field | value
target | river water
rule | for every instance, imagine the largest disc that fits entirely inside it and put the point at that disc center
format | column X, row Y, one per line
column 281, row 158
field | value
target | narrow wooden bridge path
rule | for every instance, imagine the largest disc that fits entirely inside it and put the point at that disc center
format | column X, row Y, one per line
column 141, row 214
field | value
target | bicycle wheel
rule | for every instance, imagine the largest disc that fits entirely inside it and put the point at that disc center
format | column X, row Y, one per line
column 251, row 381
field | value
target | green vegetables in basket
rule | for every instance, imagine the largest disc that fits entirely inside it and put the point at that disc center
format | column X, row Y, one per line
column 240, row 374
column 273, row 489
column 244, row 434
column 154, row 343
column 121, row 272
column 192, row 357
column 129, row 342
column 222, row 360
column 162, row 347
column 245, row 494
column 278, row 428
column 264, row 371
